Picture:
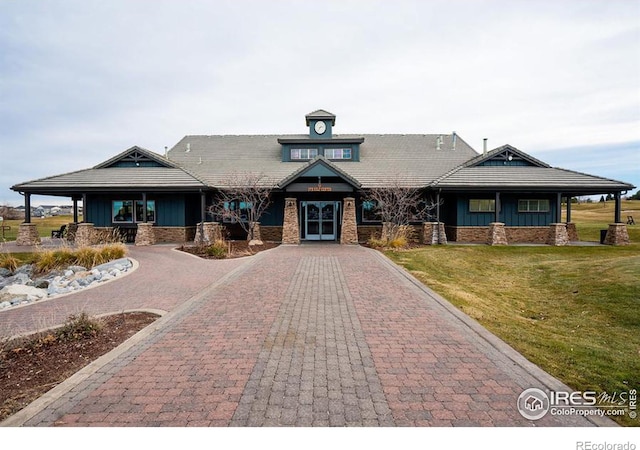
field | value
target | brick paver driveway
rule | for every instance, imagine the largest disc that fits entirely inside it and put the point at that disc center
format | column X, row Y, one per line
column 310, row 335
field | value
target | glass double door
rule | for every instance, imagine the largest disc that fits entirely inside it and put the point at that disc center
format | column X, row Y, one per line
column 320, row 219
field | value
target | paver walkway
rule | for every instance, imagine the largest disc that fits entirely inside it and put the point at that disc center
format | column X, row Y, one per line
column 310, row 335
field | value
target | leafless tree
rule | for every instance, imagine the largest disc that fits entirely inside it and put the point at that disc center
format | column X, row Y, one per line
column 243, row 198
column 397, row 205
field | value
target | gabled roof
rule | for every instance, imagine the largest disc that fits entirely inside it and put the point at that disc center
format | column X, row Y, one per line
column 163, row 176
column 505, row 153
column 320, row 114
column 385, row 159
column 512, row 178
column 313, row 164
column 136, row 154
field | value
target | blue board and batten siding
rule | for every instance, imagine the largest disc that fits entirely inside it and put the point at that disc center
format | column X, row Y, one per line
column 509, row 213
column 171, row 210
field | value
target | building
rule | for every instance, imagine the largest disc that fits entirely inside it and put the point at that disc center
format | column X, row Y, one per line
column 320, row 183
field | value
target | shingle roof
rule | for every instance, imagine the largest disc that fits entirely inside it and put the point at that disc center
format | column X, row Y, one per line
column 533, row 178
column 114, row 178
column 413, row 158
column 320, row 114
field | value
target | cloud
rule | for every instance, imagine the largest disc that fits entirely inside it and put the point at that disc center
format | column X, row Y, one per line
column 81, row 81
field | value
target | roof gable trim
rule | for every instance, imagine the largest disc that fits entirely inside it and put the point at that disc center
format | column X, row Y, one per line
column 506, row 154
column 135, row 156
column 324, row 163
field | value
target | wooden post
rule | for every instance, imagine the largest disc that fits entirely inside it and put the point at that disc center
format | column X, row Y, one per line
column 75, row 209
column 568, row 208
column 27, row 208
column 558, row 207
column 497, row 208
column 618, row 218
column 144, row 207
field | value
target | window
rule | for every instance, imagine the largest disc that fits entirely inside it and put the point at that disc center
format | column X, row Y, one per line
column 151, row 211
column 533, row 206
column 337, row 153
column 230, row 208
column 303, row 153
column 370, row 212
column 482, row 205
column 122, row 211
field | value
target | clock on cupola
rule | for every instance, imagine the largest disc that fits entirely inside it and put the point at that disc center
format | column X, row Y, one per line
column 320, row 124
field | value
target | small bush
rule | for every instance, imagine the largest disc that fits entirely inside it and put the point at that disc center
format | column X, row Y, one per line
column 218, row 250
column 9, row 262
column 78, row 327
column 398, row 242
column 377, row 242
column 85, row 256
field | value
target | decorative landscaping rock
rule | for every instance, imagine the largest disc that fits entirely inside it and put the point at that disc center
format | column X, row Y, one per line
column 21, row 292
column 4, row 273
column 21, row 289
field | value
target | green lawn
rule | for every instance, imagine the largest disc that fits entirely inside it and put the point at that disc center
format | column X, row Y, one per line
column 590, row 218
column 574, row 311
column 45, row 226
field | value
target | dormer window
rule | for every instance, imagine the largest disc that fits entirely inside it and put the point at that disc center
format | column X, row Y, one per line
column 337, row 153
column 298, row 154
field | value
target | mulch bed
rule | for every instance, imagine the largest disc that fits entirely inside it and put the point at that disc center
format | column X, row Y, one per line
column 30, row 367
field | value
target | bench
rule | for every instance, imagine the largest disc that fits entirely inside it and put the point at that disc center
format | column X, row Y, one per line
column 630, row 220
column 59, row 233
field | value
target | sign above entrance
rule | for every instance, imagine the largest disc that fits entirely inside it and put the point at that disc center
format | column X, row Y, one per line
column 319, row 188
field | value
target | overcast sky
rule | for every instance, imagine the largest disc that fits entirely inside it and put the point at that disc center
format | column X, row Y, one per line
column 81, row 81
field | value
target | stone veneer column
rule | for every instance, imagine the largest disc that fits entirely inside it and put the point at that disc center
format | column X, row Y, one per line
column 617, row 234
column 72, row 229
column 208, row 233
column 28, row 234
column 85, row 234
column 145, row 235
column 349, row 229
column 430, row 233
column 557, row 234
column 290, row 227
column 257, row 235
column 497, row 234
column 572, row 232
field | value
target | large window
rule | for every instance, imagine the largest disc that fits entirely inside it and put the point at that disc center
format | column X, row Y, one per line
column 303, row 153
column 533, row 206
column 151, row 211
column 482, row 205
column 337, row 153
column 370, row 212
column 122, row 211
column 229, row 215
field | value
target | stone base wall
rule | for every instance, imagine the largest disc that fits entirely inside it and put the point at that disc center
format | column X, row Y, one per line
column 271, row 233
column 467, row 234
column 28, row 234
column 527, row 235
column 617, row 234
column 168, row 235
column 366, row 232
